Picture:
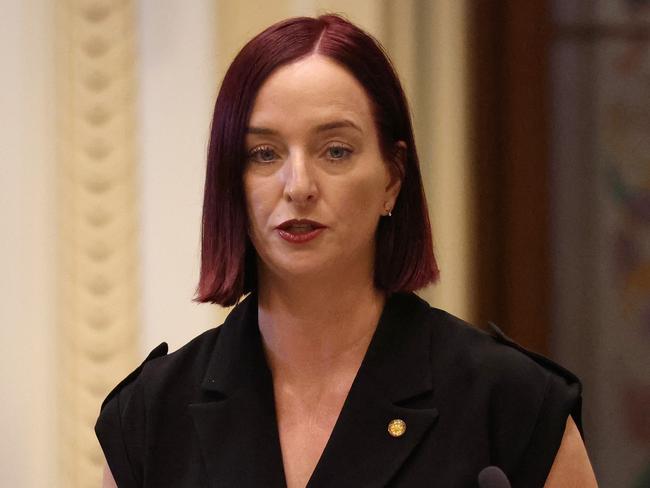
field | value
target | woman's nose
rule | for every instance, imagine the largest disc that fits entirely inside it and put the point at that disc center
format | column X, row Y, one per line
column 299, row 186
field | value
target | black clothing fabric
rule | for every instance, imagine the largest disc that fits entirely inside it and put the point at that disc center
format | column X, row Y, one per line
column 204, row 416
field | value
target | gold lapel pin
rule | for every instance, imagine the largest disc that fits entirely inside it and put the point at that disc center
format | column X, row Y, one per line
column 396, row 427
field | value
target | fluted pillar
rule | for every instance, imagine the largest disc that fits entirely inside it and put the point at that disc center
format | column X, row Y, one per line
column 98, row 276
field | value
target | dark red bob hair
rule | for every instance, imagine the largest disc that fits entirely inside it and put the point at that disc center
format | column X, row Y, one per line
column 404, row 249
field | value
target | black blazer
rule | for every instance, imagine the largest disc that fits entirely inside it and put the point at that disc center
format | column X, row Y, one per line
column 204, row 415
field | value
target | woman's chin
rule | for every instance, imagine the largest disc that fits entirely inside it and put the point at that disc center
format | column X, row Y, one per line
column 305, row 271
column 304, row 268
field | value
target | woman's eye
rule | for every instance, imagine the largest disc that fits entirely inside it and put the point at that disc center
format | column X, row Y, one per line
column 338, row 152
column 263, row 154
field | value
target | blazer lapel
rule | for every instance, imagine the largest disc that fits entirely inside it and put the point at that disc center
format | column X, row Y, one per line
column 236, row 425
column 393, row 382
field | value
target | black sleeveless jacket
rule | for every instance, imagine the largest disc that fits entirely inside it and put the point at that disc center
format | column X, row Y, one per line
column 204, row 415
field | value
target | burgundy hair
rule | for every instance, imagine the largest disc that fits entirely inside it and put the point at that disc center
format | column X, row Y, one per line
column 404, row 254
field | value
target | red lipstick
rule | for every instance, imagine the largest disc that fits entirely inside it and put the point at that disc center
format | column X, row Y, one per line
column 299, row 230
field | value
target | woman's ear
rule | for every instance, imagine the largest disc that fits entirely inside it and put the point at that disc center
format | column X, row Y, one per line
column 396, row 169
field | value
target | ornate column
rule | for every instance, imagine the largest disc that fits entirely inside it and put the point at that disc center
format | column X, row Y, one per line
column 98, row 279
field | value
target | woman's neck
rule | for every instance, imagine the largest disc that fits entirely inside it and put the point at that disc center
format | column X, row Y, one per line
column 313, row 332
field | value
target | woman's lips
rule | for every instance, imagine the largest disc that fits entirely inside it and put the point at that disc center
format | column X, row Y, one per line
column 300, row 234
column 298, row 231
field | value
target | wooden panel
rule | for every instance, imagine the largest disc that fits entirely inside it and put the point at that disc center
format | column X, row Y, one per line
column 510, row 140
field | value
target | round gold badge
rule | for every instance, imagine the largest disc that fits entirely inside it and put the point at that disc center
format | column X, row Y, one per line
column 396, row 427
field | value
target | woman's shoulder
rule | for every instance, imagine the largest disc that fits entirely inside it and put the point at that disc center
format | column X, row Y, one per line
column 178, row 375
column 162, row 371
column 155, row 393
column 473, row 362
column 488, row 353
column 484, row 378
column 189, row 358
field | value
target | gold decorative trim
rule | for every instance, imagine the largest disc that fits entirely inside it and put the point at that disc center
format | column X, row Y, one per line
column 98, row 279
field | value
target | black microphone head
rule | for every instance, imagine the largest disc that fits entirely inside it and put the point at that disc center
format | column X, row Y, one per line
column 493, row 477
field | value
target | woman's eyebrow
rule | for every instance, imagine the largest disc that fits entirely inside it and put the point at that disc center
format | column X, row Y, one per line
column 336, row 124
column 260, row 130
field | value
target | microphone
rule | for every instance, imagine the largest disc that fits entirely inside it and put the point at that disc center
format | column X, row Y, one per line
column 493, row 477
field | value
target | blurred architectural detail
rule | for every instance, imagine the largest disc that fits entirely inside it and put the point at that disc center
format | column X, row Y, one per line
column 601, row 171
column 98, row 288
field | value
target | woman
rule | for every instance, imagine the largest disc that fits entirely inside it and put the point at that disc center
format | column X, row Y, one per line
column 331, row 372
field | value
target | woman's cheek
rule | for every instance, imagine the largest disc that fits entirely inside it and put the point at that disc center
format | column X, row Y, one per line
column 363, row 196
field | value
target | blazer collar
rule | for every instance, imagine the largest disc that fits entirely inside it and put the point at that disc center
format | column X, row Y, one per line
column 237, row 426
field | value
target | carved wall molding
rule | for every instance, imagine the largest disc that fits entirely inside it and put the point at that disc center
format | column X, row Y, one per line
column 98, row 276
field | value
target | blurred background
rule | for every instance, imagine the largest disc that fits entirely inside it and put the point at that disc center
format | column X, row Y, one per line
column 533, row 127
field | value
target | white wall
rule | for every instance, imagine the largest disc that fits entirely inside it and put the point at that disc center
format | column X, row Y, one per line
column 27, row 245
column 177, row 89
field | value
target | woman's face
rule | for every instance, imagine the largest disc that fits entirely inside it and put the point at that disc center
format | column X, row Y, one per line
column 313, row 153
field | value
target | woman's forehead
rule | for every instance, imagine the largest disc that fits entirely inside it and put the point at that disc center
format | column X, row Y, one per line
column 334, row 123
column 313, row 91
